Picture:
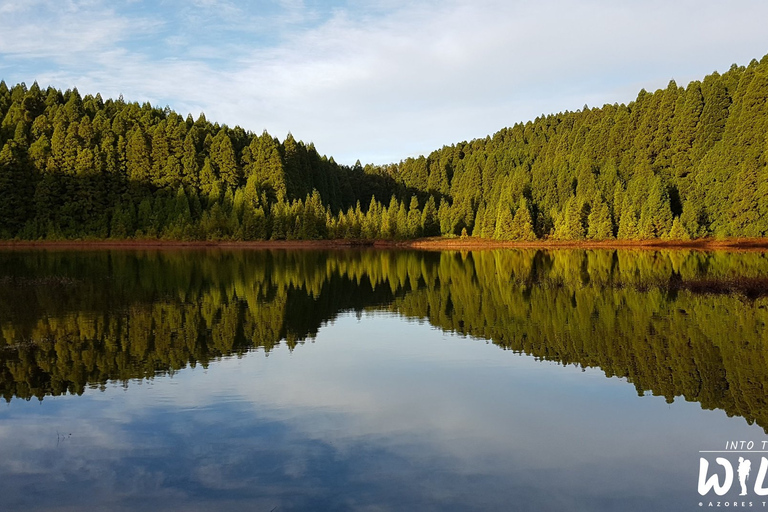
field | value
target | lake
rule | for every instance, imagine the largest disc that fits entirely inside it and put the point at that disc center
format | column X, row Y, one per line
column 207, row 379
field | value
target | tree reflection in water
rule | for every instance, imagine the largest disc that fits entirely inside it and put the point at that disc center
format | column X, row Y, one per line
column 675, row 323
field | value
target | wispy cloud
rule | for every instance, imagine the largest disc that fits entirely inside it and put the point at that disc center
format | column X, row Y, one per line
column 379, row 80
column 63, row 31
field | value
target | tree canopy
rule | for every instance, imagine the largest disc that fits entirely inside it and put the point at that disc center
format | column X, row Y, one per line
column 680, row 162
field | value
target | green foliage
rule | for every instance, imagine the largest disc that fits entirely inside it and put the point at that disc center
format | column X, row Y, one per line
column 678, row 231
column 522, row 223
column 599, row 226
column 430, row 225
column 71, row 165
column 569, row 223
column 504, row 228
column 413, row 225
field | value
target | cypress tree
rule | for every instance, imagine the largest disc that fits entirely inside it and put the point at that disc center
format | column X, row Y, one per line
column 390, row 231
column 223, row 159
column 569, row 224
column 504, row 229
column 628, row 224
column 599, row 221
column 402, row 222
column 414, row 219
column 678, row 231
column 656, row 214
column 430, row 225
column 444, row 216
column 522, row 223
column 138, row 156
column 13, row 188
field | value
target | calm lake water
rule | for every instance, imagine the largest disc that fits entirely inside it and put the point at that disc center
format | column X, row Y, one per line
column 198, row 380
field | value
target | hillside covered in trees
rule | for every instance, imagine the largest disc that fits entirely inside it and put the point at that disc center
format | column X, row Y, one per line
column 679, row 163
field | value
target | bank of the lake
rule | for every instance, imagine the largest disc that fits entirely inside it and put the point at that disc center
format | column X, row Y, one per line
column 430, row 243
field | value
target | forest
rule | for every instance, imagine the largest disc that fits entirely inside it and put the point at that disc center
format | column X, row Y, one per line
column 678, row 163
column 75, row 319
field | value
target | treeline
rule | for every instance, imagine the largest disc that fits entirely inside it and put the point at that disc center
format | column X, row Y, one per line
column 72, row 320
column 679, row 163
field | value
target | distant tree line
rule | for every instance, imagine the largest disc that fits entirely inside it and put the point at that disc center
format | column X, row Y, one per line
column 678, row 163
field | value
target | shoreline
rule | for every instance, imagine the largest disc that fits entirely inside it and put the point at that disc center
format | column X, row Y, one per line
column 430, row 244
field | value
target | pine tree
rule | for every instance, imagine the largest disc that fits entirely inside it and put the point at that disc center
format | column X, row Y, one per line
column 390, row 231
column 138, row 156
column 689, row 219
column 372, row 220
column 599, row 226
column 430, row 226
column 123, row 221
column 569, row 225
column 224, row 161
column 522, row 223
column 160, row 154
column 656, row 214
column 628, row 224
column 189, row 161
column 678, row 231
column 505, row 229
column 414, row 219
column 489, row 222
column 478, row 227
column 402, row 222
column 13, row 189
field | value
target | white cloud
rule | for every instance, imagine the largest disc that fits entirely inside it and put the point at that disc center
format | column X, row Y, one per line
column 63, row 31
column 427, row 75
column 387, row 79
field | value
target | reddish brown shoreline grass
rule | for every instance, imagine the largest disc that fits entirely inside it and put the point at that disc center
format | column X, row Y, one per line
column 435, row 244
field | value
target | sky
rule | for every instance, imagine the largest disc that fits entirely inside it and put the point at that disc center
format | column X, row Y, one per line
column 375, row 80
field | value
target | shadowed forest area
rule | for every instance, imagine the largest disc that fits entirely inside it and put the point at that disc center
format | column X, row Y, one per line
column 78, row 319
column 678, row 163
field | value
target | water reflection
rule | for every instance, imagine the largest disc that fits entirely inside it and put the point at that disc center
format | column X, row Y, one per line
column 365, row 418
column 75, row 319
column 368, row 398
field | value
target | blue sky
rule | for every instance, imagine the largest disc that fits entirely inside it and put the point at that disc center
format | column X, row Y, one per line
column 378, row 80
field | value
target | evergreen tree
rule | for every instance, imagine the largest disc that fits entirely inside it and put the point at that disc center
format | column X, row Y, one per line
column 223, row 159
column 13, row 189
column 678, row 231
column 599, row 221
column 655, row 215
column 402, row 228
column 569, row 225
column 413, row 228
column 390, row 229
column 138, row 156
column 430, row 226
column 628, row 224
column 522, row 223
column 505, row 226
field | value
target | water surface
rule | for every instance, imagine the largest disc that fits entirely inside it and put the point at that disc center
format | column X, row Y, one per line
column 373, row 380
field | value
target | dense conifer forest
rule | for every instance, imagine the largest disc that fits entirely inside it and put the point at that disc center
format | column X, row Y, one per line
column 678, row 163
